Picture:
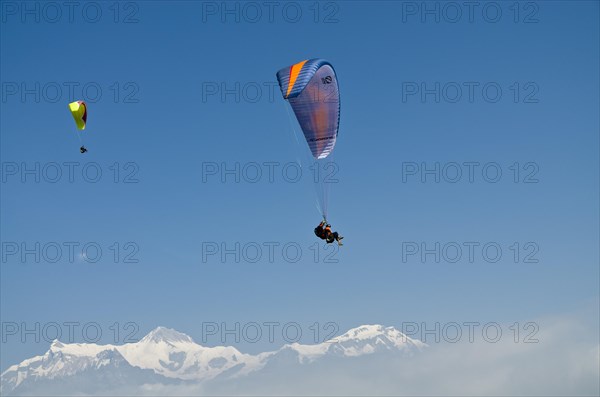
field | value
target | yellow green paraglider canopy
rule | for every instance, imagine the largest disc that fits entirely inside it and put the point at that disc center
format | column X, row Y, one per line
column 79, row 111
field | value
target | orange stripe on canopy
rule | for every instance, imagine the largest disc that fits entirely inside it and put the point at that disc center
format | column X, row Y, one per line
column 294, row 72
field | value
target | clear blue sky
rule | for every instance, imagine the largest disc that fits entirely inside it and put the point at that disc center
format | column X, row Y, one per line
column 176, row 51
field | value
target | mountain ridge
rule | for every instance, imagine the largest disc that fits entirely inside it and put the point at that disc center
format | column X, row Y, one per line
column 170, row 354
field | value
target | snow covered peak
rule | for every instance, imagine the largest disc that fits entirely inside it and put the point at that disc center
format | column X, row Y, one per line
column 368, row 339
column 56, row 345
column 363, row 332
column 379, row 333
column 359, row 341
column 168, row 335
column 77, row 349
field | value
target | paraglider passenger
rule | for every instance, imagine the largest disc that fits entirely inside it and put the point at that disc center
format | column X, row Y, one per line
column 82, row 149
column 330, row 236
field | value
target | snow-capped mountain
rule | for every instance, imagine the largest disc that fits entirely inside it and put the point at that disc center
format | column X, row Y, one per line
column 65, row 364
column 165, row 356
column 366, row 339
column 175, row 355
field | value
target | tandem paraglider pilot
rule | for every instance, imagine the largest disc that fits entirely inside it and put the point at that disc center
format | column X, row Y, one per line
column 323, row 231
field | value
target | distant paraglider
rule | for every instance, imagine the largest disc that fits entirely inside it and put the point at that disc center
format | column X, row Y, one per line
column 311, row 88
column 79, row 112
